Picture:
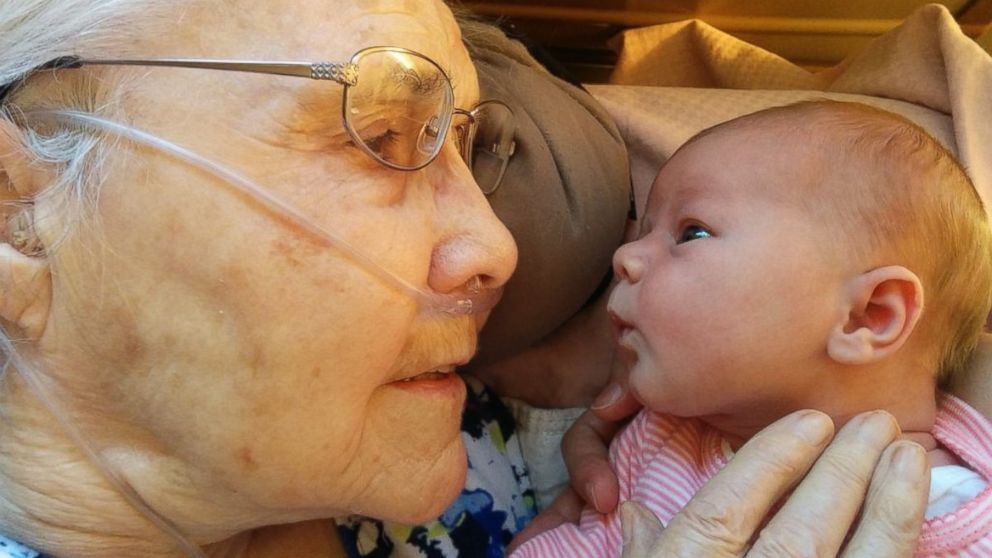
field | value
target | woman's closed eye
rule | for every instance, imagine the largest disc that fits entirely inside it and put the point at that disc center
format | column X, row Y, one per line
column 691, row 232
column 390, row 138
column 381, row 143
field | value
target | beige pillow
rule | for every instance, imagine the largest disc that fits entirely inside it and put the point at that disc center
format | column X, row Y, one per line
column 565, row 195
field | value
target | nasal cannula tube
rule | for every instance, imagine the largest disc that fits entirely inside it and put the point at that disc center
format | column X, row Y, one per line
column 471, row 300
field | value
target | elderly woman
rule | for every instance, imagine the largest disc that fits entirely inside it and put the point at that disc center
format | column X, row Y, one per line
column 219, row 360
column 233, row 295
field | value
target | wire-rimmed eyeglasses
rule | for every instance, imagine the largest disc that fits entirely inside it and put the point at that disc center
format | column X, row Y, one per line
column 397, row 107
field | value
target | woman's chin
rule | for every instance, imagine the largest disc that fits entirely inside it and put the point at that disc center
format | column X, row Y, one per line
column 446, row 489
column 425, row 496
column 417, row 449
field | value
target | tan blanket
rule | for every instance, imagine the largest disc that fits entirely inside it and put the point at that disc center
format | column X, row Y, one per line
column 673, row 80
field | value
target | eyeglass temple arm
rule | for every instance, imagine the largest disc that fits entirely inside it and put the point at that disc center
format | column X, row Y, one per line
column 56, row 64
column 345, row 74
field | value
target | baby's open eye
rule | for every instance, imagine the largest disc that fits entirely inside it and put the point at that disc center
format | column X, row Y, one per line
column 692, row 232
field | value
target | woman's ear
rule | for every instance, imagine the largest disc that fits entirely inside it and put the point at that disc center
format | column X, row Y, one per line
column 884, row 305
column 25, row 278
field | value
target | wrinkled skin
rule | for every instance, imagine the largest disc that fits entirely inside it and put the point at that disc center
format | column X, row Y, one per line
column 238, row 372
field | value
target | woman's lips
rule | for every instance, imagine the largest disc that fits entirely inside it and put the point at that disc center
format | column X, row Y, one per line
column 437, row 374
column 426, row 376
column 435, row 381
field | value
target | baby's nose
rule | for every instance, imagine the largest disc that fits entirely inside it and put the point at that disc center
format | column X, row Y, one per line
column 627, row 264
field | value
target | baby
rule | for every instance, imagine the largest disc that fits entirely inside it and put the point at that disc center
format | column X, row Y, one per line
column 822, row 255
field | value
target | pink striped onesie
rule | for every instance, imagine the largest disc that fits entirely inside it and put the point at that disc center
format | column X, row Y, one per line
column 661, row 461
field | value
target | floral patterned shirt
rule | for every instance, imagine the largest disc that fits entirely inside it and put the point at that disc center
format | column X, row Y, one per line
column 495, row 504
column 12, row 549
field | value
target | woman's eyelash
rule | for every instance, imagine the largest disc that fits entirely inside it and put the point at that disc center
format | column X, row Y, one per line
column 384, row 139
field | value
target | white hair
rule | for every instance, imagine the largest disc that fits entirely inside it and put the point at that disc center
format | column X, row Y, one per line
column 33, row 32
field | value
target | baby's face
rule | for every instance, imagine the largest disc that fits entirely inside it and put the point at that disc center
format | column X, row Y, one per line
column 729, row 290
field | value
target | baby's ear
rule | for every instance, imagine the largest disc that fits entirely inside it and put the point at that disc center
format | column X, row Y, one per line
column 25, row 279
column 883, row 307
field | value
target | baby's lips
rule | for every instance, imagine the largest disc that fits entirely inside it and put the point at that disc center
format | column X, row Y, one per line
column 618, row 323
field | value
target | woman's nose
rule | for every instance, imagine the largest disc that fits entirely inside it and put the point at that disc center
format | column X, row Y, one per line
column 628, row 265
column 476, row 249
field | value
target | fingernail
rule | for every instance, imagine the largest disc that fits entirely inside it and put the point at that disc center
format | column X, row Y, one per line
column 909, row 461
column 876, row 428
column 814, row 427
column 591, row 491
column 608, row 396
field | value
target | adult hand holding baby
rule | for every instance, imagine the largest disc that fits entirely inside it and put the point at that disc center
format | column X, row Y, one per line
column 721, row 518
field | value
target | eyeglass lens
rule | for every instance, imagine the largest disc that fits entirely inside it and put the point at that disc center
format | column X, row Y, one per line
column 492, row 144
column 402, row 107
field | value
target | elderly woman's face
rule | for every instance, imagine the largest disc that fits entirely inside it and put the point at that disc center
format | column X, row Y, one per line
column 272, row 363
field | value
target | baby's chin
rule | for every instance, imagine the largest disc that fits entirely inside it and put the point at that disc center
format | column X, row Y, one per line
column 647, row 387
column 661, row 399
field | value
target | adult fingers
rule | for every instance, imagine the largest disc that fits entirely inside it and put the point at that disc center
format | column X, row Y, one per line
column 615, row 401
column 641, row 530
column 721, row 518
column 566, row 508
column 585, row 452
column 893, row 511
column 585, row 446
column 818, row 514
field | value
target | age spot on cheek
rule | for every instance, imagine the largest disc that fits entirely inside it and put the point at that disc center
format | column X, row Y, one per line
column 247, row 459
column 133, row 348
column 290, row 252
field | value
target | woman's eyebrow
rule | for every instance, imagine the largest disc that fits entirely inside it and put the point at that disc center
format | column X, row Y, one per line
column 315, row 109
column 319, row 97
column 424, row 84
